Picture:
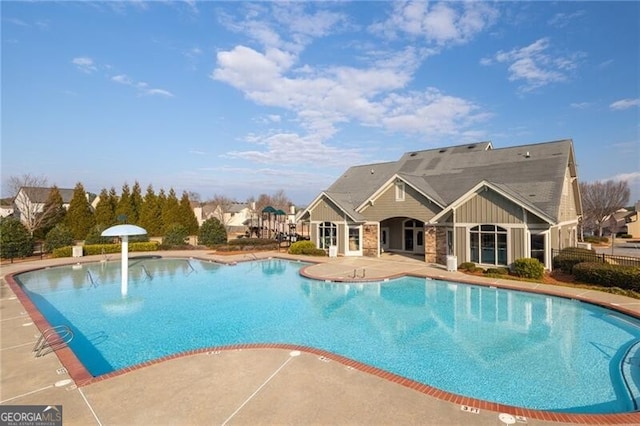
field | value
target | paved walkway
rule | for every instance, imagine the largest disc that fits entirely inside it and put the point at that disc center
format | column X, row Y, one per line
column 249, row 385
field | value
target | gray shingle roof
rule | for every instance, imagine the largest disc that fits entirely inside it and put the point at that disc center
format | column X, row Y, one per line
column 40, row 194
column 533, row 174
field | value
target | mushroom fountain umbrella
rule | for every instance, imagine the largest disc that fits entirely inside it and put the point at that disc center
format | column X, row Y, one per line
column 123, row 231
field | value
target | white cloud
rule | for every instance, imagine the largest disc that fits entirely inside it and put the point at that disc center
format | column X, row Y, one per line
column 142, row 87
column 561, row 20
column 536, row 66
column 624, row 104
column 84, row 64
column 324, row 97
column 580, row 105
column 441, row 23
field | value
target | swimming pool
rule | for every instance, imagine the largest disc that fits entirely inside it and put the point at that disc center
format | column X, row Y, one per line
column 509, row 347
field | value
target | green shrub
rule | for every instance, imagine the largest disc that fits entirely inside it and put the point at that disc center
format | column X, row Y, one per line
column 528, row 267
column 176, row 235
column 59, row 236
column 625, row 277
column 62, row 252
column 307, row 248
column 467, row 266
column 252, row 242
column 625, row 236
column 571, row 256
column 95, row 236
column 497, row 271
column 15, row 240
column 596, row 240
column 93, row 249
column 212, row 232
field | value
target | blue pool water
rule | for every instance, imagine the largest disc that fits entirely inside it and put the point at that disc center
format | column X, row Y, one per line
column 515, row 348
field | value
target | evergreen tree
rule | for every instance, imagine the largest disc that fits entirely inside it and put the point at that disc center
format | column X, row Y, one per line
column 151, row 214
column 15, row 239
column 106, row 209
column 136, row 203
column 124, row 213
column 171, row 211
column 212, row 232
column 80, row 218
column 53, row 212
column 187, row 216
column 59, row 236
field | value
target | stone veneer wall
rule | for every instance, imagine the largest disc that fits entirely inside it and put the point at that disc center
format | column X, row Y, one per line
column 441, row 246
column 430, row 248
column 370, row 240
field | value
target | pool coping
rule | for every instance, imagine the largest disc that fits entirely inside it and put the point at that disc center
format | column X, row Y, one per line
column 82, row 377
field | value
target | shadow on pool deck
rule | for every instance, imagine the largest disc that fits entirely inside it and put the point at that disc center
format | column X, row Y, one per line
column 274, row 385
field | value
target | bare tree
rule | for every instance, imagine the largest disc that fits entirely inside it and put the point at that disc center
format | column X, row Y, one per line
column 29, row 194
column 601, row 200
column 222, row 208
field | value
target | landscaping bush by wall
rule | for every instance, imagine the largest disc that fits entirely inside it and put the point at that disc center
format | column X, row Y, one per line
column 596, row 240
column 92, row 249
column 528, row 268
column 625, row 277
column 306, row 247
column 571, row 256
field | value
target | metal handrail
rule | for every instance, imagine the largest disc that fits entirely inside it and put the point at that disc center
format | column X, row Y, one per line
column 51, row 339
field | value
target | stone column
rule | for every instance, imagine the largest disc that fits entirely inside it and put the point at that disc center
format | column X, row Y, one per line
column 430, row 249
column 370, row 241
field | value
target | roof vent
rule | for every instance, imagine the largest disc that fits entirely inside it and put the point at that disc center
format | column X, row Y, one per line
column 471, row 146
column 443, row 150
column 527, row 155
column 413, row 154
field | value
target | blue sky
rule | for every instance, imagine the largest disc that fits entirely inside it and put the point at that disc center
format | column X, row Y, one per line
column 239, row 98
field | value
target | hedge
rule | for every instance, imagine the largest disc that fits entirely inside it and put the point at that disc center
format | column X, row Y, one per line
column 252, row 242
column 528, row 267
column 306, row 247
column 92, row 249
column 569, row 257
column 606, row 275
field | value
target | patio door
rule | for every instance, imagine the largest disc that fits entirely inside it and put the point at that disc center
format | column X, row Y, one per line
column 413, row 236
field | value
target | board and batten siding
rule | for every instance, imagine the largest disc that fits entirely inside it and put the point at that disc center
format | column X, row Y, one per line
column 414, row 205
column 326, row 211
column 489, row 207
column 517, row 236
column 568, row 210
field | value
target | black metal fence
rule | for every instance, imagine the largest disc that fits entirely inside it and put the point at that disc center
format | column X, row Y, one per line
column 597, row 257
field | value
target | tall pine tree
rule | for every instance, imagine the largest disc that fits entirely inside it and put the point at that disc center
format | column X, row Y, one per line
column 136, row 202
column 187, row 217
column 53, row 212
column 171, row 211
column 124, row 213
column 105, row 213
column 151, row 214
column 80, row 218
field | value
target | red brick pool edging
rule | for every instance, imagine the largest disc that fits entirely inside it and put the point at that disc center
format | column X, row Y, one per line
column 82, row 377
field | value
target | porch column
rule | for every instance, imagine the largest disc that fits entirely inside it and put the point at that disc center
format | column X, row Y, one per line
column 370, row 243
column 430, row 246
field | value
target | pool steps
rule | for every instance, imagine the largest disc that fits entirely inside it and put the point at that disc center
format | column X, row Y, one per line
column 51, row 339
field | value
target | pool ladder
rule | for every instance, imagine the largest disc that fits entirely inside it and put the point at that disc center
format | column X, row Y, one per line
column 51, row 339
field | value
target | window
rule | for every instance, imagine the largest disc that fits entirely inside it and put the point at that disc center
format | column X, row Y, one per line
column 537, row 247
column 488, row 244
column 399, row 191
column 354, row 239
column 328, row 232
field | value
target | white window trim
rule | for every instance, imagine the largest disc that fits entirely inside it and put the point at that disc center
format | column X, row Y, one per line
column 400, row 191
column 348, row 252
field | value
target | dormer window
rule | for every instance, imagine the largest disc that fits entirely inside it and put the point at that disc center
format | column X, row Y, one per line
column 399, row 191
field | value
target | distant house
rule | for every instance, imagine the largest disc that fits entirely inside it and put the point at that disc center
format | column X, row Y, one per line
column 31, row 200
column 234, row 216
column 480, row 204
column 6, row 209
column 624, row 221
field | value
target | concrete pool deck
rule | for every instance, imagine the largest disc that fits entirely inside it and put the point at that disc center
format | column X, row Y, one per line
column 276, row 384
